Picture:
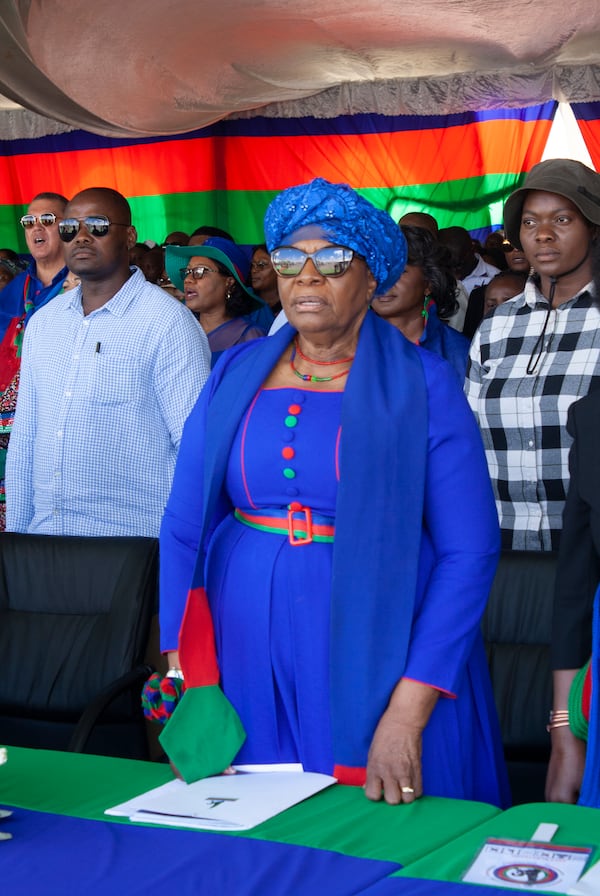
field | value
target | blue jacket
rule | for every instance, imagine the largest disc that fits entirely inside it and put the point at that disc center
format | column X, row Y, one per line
column 414, row 489
column 12, row 297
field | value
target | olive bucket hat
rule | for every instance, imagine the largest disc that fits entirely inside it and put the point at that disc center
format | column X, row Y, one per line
column 566, row 177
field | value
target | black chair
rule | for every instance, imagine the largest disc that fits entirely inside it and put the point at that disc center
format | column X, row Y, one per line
column 517, row 629
column 74, row 620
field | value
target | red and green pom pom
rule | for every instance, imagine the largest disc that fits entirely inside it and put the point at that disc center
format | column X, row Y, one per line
column 160, row 696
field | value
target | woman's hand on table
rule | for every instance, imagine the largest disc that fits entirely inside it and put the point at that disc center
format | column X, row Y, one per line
column 565, row 769
column 394, row 761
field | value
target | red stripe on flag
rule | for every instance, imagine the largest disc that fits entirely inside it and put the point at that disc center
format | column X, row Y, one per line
column 365, row 161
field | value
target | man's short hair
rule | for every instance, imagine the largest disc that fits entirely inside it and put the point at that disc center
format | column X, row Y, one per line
column 54, row 197
column 117, row 199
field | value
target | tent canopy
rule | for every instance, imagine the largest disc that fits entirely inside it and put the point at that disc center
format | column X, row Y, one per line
column 127, row 68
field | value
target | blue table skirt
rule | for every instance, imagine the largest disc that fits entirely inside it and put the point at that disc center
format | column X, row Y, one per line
column 51, row 855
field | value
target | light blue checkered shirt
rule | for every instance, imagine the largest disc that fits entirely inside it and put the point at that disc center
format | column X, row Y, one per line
column 101, row 407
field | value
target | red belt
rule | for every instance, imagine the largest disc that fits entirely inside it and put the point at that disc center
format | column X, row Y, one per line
column 299, row 523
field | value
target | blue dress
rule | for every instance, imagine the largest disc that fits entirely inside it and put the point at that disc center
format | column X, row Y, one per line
column 270, row 599
column 312, row 639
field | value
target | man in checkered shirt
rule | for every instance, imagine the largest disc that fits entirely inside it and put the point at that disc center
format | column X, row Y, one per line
column 538, row 353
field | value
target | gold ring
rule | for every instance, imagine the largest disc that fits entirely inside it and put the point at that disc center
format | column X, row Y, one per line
column 407, row 789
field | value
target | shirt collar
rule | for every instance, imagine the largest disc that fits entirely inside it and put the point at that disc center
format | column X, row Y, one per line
column 533, row 297
column 32, row 271
column 121, row 300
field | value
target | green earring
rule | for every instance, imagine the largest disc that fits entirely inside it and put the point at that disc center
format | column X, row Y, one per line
column 425, row 311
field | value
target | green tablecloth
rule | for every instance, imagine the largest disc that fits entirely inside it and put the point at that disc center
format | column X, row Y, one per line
column 577, row 826
column 339, row 819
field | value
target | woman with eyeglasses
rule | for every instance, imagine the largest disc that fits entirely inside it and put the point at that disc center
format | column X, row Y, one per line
column 319, row 597
column 212, row 278
column 28, row 291
column 264, row 279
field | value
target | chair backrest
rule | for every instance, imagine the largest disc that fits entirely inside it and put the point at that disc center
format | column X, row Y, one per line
column 74, row 616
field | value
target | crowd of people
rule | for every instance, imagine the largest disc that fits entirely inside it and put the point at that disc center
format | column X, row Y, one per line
column 331, row 499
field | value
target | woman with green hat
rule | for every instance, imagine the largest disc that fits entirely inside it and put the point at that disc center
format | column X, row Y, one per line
column 212, row 278
column 539, row 352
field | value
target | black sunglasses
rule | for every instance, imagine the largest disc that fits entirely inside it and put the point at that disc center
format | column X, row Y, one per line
column 96, row 225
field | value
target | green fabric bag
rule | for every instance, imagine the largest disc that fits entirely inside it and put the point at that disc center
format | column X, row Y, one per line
column 204, row 733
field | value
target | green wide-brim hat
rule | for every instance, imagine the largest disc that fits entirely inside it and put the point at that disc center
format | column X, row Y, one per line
column 565, row 177
column 229, row 254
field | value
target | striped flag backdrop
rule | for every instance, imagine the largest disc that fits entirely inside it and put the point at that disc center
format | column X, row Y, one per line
column 588, row 119
column 458, row 167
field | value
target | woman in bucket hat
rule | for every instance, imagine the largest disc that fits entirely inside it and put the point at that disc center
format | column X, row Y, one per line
column 539, row 352
column 212, row 278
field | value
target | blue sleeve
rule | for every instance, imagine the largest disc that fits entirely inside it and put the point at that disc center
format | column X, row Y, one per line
column 182, row 522
column 12, row 302
column 461, row 540
column 181, row 525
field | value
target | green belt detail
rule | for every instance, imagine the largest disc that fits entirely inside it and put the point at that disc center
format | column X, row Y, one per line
column 283, row 530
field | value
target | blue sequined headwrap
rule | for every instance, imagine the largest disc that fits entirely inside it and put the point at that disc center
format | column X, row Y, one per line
column 346, row 219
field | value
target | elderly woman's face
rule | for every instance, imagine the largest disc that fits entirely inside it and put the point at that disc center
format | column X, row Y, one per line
column 314, row 303
column 208, row 293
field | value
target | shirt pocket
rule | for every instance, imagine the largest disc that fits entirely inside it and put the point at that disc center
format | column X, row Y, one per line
column 116, row 379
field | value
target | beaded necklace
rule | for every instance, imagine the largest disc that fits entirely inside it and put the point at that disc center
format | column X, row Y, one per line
column 311, row 378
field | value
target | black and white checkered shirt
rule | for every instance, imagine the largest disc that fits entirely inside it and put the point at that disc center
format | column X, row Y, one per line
column 522, row 416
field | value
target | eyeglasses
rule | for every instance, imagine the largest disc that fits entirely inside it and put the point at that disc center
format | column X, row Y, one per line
column 46, row 218
column 259, row 265
column 508, row 246
column 96, row 225
column 197, row 273
column 330, row 261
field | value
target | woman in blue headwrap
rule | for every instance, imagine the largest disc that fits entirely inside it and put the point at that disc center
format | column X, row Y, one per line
column 331, row 537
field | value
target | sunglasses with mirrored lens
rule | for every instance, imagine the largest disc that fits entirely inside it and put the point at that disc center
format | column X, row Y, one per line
column 96, row 225
column 46, row 218
column 197, row 273
column 330, row 261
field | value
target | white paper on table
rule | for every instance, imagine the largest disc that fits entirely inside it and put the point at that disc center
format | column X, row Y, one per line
column 527, row 865
column 224, row 802
column 589, row 884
